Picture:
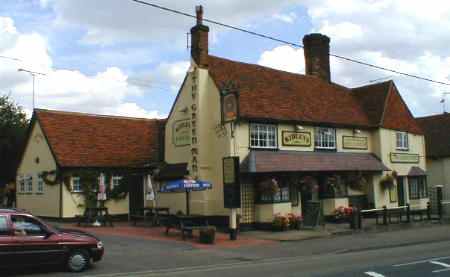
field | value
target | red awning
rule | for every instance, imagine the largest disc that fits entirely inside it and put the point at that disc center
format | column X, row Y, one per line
column 295, row 161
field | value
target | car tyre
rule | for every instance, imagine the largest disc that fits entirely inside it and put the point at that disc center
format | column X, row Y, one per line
column 78, row 260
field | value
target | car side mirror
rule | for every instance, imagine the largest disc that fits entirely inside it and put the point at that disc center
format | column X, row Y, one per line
column 48, row 234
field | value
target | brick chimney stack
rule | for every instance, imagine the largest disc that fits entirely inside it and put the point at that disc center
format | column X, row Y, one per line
column 317, row 56
column 199, row 40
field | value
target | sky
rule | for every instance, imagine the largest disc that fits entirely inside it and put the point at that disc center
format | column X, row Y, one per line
column 121, row 58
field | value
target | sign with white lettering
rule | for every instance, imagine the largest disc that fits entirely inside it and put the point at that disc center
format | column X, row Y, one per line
column 404, row 158
column 290, row 138
column 350, row 142
column 182, row 132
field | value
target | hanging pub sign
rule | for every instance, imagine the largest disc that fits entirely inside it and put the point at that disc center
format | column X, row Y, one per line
column 229, row 102
column 404, row 158
column 296, row 138
column 231, row 184
column 182, row 132
column 352, row 142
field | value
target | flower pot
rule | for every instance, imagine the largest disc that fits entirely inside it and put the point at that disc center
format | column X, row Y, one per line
column 207, row 236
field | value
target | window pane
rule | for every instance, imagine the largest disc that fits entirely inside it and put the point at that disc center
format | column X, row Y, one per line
column 3, row 226
column 263, row 135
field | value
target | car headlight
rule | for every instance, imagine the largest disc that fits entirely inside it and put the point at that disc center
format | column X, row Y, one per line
column 99, row 245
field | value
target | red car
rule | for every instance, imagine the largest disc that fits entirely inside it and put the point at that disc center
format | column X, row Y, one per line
column 25, row 240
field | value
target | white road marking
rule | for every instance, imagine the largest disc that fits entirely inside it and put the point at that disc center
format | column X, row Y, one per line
column 374, row 274
column 441, row 264
column 441, row 270
column 423, row 261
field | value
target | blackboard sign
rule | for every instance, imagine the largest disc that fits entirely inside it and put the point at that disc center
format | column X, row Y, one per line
column 231, row 184
column 311, row 214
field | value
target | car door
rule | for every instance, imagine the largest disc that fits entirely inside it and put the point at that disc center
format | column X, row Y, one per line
column 9, row 245
column 37, row 246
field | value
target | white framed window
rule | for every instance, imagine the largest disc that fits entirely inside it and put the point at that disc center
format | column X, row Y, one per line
column 263, row 136
column 115, row 181
column 40, row 184
column 29, row 183
column 21, row 183
column 76, row 184
column 325, row 138
column 402, row 140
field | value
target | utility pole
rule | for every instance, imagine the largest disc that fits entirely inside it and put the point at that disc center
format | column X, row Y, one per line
column 33, row 74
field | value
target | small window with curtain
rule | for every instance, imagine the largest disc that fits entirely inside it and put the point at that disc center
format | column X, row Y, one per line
column 40, row 184
column 402, row 141
column 29, row 183
column 76, row 184
column 325, row 138
column 263, row 136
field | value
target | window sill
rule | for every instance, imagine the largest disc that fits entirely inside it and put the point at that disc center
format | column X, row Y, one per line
column 39, row 193
column 271, row 202
column 402, row 149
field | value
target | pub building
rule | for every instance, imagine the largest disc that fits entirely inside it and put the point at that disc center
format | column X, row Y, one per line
column 298, row 138
column 270, row 142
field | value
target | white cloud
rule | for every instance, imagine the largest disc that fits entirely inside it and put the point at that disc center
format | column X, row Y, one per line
column 284, row 58
column 112, row 21
column 403, row 35
column 103, row 92
column 286, row 17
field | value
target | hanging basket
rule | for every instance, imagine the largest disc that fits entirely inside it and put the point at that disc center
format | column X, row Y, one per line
column 269, row 186
column 387, row 181
column 356, row 181
column 309, row 183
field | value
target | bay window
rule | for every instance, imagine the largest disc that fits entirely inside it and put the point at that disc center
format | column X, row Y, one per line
column 417, row 187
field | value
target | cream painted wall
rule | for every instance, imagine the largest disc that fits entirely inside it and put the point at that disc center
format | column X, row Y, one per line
column 385, row 140
column 74, row 204
column 46, row 204
column 214, row 143
column 266, row 212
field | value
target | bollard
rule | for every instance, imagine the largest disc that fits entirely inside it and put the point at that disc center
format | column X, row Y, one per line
column 428, row 210
column 385, row 214
column 408, row 213
column 439, row 201
column 360, row 218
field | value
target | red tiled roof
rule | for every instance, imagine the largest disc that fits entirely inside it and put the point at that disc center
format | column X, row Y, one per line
column 270, row 94
column 267, row 93
column 285, row 161
column 396, row 114
column 373, row 98
column 437, row 134
column 85, row 140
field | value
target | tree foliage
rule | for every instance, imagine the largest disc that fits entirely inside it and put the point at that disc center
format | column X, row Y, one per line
column 13, row 125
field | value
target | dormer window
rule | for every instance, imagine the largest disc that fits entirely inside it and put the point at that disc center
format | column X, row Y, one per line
column 325, row 138
column 402, row 141
column 263, row 136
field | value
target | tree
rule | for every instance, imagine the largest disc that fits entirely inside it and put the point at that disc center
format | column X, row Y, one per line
column 13, row 126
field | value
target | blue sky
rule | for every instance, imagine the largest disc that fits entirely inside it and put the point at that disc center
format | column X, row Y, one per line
column 118, row 57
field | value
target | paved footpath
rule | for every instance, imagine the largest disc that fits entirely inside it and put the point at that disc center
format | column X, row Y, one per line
column 351, row 255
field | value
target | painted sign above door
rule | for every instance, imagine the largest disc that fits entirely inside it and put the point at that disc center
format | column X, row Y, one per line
column 404, row 158
column 351, row 142
column 182, row 132
column 290, row 138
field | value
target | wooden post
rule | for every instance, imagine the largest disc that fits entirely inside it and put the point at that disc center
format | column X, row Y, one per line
column 385, row 214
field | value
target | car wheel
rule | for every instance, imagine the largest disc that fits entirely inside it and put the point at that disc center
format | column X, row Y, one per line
column 78, row 260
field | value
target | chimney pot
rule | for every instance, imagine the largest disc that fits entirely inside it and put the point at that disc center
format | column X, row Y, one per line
column 199, row 14
column 199, row 40
column 317, row 55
